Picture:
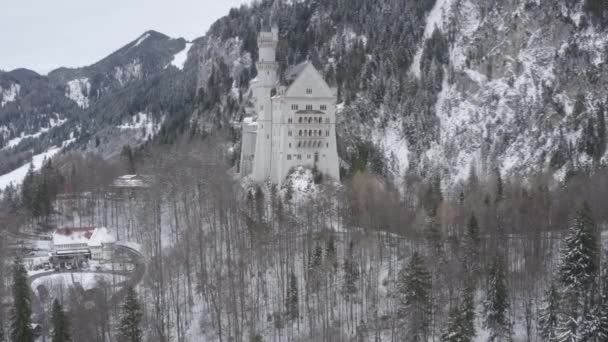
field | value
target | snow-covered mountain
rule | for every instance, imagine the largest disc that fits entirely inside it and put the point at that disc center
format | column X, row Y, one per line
column 122, row 99
column 426, row 87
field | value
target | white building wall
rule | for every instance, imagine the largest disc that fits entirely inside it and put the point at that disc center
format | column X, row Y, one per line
column 248, row 138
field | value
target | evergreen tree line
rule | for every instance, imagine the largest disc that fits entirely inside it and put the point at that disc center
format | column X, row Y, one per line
column 39, row 189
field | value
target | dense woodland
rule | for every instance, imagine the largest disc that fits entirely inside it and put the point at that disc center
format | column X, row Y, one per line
column 360, row 260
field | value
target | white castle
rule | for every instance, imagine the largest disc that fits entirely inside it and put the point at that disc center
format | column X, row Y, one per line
column 296, row 121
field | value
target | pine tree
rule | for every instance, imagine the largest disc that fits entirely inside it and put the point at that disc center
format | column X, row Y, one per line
column 578, row 274
column 434, row 237
column 496, row 305
column 28, row 188
column 596, row 323
column 471, row 247
column 549, row 316
column 61, row 326
column 414, row 293
column 330, row 252
column 127, row 155
column 468, row 311
column 128, row 329
column 21, row 330
column 461, row 318
column 291, row 298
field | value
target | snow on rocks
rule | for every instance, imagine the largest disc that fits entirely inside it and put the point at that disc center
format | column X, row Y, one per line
column 9, row 94
column 78, row 91
column 142, row 121
column 179, row 59
column 127, row 73
column 141, row 39
column 435, row 19
column 53, row 122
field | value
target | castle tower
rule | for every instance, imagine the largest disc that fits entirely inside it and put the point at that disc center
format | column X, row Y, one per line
column 262, row 88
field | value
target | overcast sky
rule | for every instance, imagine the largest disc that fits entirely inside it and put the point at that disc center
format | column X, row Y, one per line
column 45, row 34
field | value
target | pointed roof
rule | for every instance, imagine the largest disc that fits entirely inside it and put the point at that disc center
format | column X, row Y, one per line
column 306, row 75
column 294, row 71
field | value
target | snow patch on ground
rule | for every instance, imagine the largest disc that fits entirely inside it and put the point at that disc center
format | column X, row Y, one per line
column 78, row 91
column 394, row 144
column 142, row 121
column 179, row 59
column 127, row 73
column 9, row 94
column 435, row 19
column 88, row 280
column 16, row 177
column 302, row 183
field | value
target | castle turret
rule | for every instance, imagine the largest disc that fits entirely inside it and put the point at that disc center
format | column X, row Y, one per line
column 266, row 81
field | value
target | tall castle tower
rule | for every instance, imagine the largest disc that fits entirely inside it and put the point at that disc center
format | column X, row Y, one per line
column 262, row 89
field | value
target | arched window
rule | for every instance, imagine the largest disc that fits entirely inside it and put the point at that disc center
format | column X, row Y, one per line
column 320, row 133
column 310, row 132
column 300, row 120
column 309, row 120
column 299, row 144
column 300, row 132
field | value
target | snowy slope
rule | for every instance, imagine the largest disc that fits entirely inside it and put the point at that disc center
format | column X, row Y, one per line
column 16, row 176
column 54, row 122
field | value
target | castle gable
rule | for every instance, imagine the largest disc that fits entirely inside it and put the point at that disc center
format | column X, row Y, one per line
column 305, row 76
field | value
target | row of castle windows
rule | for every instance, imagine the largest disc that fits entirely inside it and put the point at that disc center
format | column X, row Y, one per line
column 299, row 156
column 308, row 107
column 309, row 144
column 309, row 120
column 309, row 133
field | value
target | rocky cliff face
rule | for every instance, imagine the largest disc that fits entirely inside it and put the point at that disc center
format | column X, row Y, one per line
column 525, row 88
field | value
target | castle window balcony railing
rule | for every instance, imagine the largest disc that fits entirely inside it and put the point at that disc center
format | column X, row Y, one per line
column 309, row 111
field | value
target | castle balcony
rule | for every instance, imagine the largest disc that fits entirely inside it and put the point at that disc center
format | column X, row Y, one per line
column 266, row 37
